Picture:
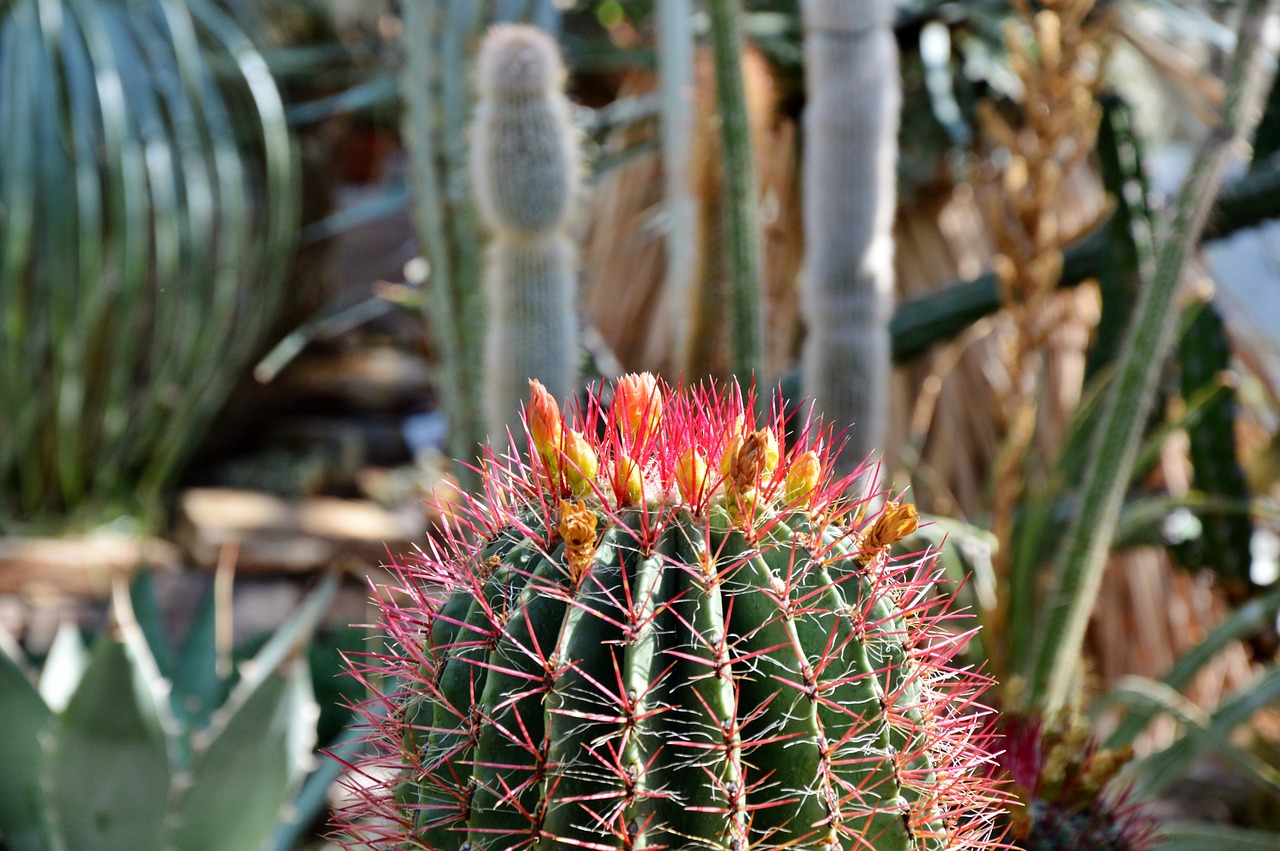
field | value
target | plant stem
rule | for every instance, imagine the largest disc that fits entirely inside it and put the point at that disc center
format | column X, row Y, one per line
column 741, row 208
column 1083, row 556
column 675, row 73
column 945, row 314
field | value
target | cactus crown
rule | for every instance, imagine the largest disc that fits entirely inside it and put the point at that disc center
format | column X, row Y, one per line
column 518, row 61
column 666, row 630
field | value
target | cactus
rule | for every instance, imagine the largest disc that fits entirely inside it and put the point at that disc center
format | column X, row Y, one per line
column 436, row 93
column 525, row 173
column 851, row 125
column 664, row 630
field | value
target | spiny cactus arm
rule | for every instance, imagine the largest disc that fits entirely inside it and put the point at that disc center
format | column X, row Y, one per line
column 510, row 763
column 717, row 814
column 850, row 131
column 584, row 708
column 857, row 775
column 1078, row 574
column 674, row 20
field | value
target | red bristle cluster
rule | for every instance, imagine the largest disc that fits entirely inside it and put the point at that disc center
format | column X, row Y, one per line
column 955, row 803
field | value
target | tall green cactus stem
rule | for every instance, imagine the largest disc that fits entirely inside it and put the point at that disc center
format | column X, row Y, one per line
column 664, row 631
column 1204, row 354
column 851, row 130
column 445, row 223
column 526, row 176
column 744, row 260
column 1150, row 337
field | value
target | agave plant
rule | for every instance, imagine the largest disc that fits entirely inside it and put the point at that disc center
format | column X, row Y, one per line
column 148, row 205
column 101, row 752
column 664, row 630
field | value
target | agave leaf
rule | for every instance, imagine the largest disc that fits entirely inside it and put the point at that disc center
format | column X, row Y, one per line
column 1244, row 621
column 64, row 666
column 260, row 750
column 313, row 796
column 146, row 608
column 198, row 689
column 108, row 771
column 1154, row 773
column 289, row 640
column 26, row 721
column 1198, row 837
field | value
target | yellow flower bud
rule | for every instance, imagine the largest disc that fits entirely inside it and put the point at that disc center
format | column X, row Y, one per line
column 750, row 460
column 896, row 521
column 582, row 464
column 691, row 476
column 802, row 477
column 628, row 481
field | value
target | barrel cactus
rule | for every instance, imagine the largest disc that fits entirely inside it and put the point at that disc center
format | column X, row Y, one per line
column 662, row 629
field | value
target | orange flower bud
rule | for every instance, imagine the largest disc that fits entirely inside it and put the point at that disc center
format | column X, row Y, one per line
column 578, row 530
column 628, row 481
column 691, row 476
column 582, row 463
column 896, row 521
column 542, row 415
column 802, row 477
column 637, row 404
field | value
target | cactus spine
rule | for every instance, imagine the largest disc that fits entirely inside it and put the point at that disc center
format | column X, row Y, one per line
column 525, row 173
column 664, row 631
column 851, row 131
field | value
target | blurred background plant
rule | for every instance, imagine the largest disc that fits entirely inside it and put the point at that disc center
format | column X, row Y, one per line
column 138, row 744
column 150, row 197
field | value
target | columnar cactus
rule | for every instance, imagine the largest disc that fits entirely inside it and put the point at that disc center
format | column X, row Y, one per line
column 665, row 630
column 525, row 173
column 850, row 158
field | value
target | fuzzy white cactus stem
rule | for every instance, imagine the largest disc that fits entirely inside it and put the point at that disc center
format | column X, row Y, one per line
column 851, row 132
column 526, row 176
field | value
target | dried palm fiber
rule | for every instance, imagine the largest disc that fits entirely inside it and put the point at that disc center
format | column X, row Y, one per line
column 946, row 415
column 623, row 257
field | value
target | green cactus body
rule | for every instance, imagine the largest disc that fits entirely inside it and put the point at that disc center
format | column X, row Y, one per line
column 638, row 651
column 526, row 177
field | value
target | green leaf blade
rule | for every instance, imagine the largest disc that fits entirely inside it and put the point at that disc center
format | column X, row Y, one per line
column 26, row 721
column 108, row 774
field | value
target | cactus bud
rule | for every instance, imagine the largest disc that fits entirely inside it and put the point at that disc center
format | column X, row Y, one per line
column 577, row 529
column 628, row 480
column 895, row 522
column 542, row 416
column 802, row 477
column 637, row 406
column 691, row 476
column 583, row 463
